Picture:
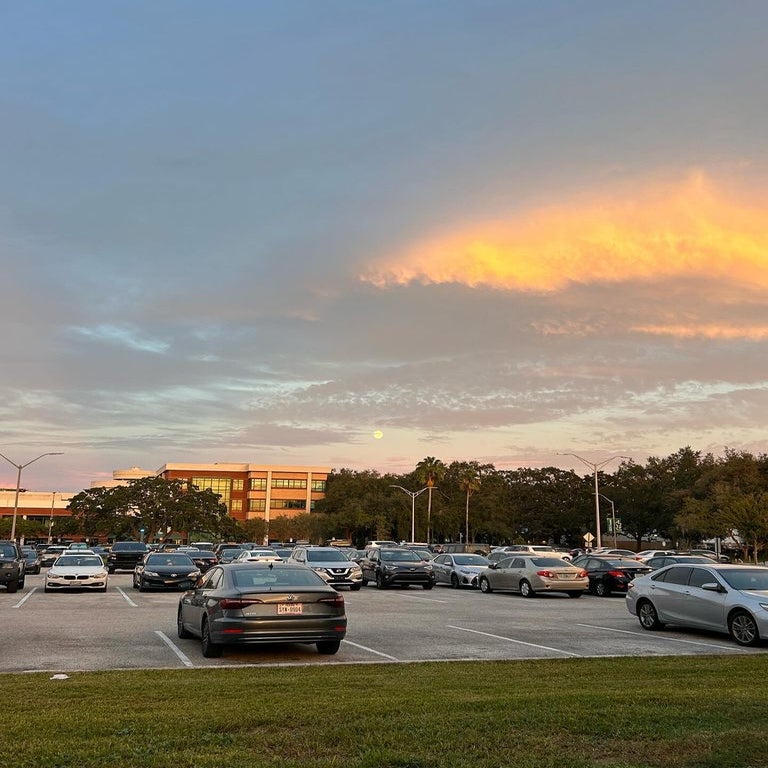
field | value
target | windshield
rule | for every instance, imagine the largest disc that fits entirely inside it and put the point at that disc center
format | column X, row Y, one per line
column 7, row 550
column 400, row 556
column 169, row 560
column 70, row 561
column 326, row 556
column 747, row 578
column 470, row 560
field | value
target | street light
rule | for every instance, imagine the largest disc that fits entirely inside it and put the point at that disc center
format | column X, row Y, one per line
column 613, row 518
column 19, row 467
column 413, row 495
column 594, row 467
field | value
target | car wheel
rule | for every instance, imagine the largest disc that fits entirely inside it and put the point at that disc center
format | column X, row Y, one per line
column 135, row 582
column 526, row 590
column 22, row 581
column 454, row 581
column 485, row 585
column 181, row 630
column 46, row 588
column 648, row 617
column 328, row 647
column 110, row 570
column 364, row 582
column 12, row 586
column 601, row 589
column 743, row 628
column 355, row 587
column 210, row 650
column 428, row 585
column 142, row 586
column 575, row 594
column 380, row 581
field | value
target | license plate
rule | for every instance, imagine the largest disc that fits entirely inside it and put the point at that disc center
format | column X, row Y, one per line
column 289, row 608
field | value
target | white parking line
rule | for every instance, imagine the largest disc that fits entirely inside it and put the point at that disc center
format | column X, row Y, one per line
column 25, row 598
column 428, row 599
column 370, row 650
column 167, row 640
column 517, row 642
column 657, row 636
column 127, row 599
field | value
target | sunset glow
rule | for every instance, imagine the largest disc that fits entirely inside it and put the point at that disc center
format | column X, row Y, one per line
column 692, row 230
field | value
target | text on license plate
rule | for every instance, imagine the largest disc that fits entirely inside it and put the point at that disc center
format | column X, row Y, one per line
column 292, row 608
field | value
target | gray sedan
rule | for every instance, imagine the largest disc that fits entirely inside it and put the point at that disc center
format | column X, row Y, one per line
column 459, row 570
column 721, row 598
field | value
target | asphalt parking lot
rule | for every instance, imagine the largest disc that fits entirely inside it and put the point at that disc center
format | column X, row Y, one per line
column 127, row 629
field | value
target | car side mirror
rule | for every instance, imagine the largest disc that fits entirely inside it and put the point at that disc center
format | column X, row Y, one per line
column 713, row 586
column 494, row 566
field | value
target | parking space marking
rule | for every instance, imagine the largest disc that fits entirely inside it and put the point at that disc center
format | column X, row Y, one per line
column 25, row 598
column 185, row 660
column 370, row 650
column 658, row 636
column 517, row 642
column 428, row 599
column 127, row 599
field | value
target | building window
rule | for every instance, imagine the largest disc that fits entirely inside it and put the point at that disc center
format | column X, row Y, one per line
column 219, row 485
column 258, row 483
column 288, row 483
column 257, row 505
column 288, row 504
column 318, row 485
column 237, row 484
column 236, row 505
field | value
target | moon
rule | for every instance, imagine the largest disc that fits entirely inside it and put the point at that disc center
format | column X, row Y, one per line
column 378, row 434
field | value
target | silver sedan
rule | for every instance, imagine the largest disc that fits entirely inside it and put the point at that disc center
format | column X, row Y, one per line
column 722, row 598
column 459, row 570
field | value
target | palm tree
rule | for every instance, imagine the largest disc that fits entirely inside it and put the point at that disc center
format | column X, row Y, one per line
column 430, row 471
column 469, row 478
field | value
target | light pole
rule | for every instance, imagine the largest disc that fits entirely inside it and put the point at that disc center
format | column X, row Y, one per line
column 413, row 495
column 594, row 467
column 19, row 467
column 50, row 519
column 613, row 518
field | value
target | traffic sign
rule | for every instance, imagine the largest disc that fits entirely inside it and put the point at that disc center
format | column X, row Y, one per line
column 588, row 538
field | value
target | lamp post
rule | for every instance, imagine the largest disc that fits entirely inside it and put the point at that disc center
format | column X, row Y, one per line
column 413, row 495
column 19, row 467
column 50, row 518
column 613, row 518
column 594, row 467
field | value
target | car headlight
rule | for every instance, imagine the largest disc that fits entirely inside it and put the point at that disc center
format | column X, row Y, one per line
column 428, row 568
column 764, row 606
column 355, row 568
column 100, row 575
column 193, row 575
column 390, row 568
column 151, row 573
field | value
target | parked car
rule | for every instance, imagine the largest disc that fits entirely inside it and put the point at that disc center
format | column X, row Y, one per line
column 275, row 602
column 647, row 554
column 204, row 559
column 459, row 570
column 610, row 574
column 529, row 574
column 165, row 570
column 12, row 566
column 330, row 563
column 228, row 554
column 264, row 555
column 712, row 555
column 77, row 570
column 608, row 552
column 544, row 550
column 32, row 558
column 396, row 566
column 717, row 597
column 654, row 563
column 126, row 555
column 50, row 554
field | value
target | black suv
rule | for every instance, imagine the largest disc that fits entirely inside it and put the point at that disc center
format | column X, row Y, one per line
column 12, row 566
column 392, row 566
column 125, row 555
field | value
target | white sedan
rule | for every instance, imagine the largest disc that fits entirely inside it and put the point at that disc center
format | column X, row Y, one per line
column 77, row 571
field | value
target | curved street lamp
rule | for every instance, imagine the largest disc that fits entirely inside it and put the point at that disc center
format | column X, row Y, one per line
column 413, row 495
column 594, row 467
column 19, row 467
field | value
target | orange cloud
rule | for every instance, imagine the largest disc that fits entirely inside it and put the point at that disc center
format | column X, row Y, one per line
column 664, row 232
column 706, row 331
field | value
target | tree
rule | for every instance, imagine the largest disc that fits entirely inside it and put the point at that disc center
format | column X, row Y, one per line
column 430, row 471
column 468, row 475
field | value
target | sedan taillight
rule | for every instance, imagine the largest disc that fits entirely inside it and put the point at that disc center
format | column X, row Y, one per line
column 235, row 604
column 337, row 600
column 546, row 574
column 618, row 574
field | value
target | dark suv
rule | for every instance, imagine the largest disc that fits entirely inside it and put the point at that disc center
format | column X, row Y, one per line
column 12, row 566
column 392, row 566
column 125, row 555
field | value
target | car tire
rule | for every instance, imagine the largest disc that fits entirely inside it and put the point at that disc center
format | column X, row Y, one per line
column 328, row 647
column 181, row 630
column 648, row 617
column 454, row 581
column 22, row 581
column 46, row 588
column 355, row 587
column 742, row 627
column 142, row 585
column 110, row 570
column 380, row 581
column 601, row 589
column 526, row 590
column 485, row 585
column 12, row 586
column 575, row 594
column 103, row 589
column 428, row 585
column 210, row 650
column 364, row 582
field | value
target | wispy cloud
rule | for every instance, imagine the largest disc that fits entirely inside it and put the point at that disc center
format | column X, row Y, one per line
column 125, row 336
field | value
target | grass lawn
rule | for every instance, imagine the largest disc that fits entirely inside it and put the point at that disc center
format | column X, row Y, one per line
column 673, row 711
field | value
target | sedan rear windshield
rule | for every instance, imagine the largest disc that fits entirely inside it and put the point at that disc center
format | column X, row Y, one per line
column 276, row 578
column 747, row 578
column 550, row 562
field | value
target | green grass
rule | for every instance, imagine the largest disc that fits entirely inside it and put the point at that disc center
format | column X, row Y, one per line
column 709, row 711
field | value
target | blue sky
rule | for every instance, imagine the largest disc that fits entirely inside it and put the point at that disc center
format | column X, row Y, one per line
column 356, row 234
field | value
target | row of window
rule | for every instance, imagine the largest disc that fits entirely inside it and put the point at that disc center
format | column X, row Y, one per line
column 259, row 505
column 225, row 485
column 260, row 484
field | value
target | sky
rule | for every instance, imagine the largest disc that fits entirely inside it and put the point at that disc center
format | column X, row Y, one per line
column 355, row 234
